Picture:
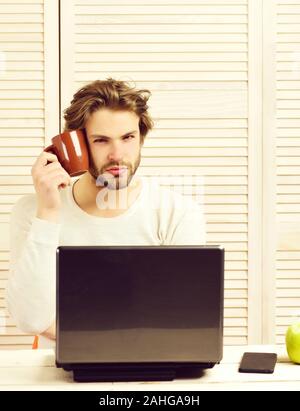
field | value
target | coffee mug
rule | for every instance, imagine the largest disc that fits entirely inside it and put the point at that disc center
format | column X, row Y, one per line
column 71, row 149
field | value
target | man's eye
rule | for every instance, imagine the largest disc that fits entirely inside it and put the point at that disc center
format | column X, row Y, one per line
column 102, row 140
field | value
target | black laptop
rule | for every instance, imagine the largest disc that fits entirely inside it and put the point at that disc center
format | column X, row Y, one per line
column 138, row 312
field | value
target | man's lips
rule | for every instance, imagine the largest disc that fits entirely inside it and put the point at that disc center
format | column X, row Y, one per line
column 116, row 170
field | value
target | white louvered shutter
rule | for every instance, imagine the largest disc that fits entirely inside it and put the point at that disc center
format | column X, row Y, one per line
column 288, row 166
column 193, row 57
column 24, row 100
column 201, row 60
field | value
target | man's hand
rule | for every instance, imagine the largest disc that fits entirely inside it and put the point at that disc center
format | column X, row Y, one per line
column 48, row 179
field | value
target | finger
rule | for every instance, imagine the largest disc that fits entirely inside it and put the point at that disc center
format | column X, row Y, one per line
column 56, row 176
column 43, row 158
column 62, row 174
column 53, row 166
column 62, row 182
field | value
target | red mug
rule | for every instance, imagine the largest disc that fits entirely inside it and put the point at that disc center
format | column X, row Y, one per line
column 71, row 149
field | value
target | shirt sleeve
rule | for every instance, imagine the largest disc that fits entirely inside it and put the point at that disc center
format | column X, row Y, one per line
column 30, row 291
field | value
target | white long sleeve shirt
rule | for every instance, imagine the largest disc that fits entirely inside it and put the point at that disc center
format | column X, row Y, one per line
column 159, row 216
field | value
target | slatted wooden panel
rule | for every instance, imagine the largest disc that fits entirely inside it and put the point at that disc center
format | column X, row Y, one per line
column 29, row 102
column 288, row 165
column 21, row 127
column 194, row 59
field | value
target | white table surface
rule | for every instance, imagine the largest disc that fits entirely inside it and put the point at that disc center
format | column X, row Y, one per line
column 36, row 370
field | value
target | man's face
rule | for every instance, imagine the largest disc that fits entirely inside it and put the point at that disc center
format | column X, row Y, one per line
column 114, row 145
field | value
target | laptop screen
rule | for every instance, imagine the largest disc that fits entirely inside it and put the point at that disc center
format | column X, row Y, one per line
column 139, row 304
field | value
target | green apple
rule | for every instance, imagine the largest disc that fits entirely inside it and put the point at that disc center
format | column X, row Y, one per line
column 292, row 341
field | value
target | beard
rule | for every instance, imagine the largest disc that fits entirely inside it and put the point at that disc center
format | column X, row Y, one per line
column 105, row 179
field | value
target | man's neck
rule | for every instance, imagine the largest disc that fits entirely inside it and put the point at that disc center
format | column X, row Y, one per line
column 102, row 202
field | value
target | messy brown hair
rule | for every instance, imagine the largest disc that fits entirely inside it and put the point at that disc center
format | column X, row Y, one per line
column 112, row 94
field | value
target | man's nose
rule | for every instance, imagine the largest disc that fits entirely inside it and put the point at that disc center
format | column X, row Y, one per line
column 115, row 154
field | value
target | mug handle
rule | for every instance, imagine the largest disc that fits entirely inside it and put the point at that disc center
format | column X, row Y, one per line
column 50, row 149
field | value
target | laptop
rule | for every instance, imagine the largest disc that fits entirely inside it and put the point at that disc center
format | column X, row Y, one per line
column 127, row 313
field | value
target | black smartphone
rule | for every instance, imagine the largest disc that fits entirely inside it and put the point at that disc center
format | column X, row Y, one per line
column 258, row 362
